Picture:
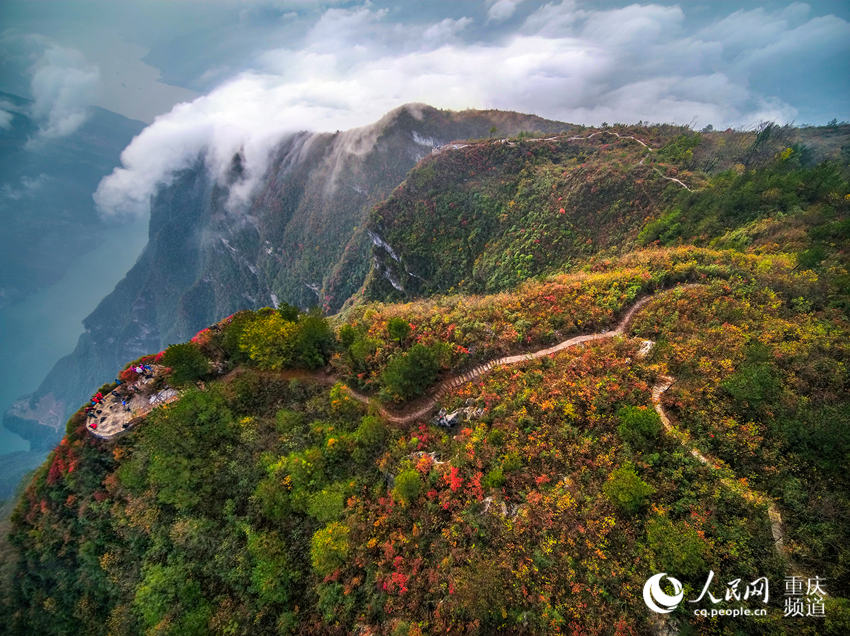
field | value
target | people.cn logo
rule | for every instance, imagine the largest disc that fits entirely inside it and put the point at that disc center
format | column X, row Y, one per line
column 657, row 599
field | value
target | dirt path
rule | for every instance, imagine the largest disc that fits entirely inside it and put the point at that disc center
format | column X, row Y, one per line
column 509, row 142
column 425, row 405
column 748, row 494
column 421, row 407
column 640, row 163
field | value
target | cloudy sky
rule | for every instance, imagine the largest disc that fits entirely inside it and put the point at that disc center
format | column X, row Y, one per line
column 222, row 75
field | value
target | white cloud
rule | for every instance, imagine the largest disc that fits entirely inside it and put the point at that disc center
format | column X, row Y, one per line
column 63, row 86
column 633, row 26
column 782, row 42
column 553, row 19
column 26, row 187
column 5, row 119
column 445, row 30
column 564, row 62
column 501, row 10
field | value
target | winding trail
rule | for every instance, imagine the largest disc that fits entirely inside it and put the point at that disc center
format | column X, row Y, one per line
column 662, row 385
column 420, row 408
column 640, row 163
column 745, row 492
column 673, row 179
column 428, row 403
column 607, row 132
column 458, row 146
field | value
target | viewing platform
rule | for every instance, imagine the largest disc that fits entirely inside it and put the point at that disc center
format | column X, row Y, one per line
column 128, row 403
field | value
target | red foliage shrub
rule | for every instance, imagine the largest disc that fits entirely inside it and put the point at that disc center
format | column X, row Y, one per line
column 128, row 375
column 453, row 479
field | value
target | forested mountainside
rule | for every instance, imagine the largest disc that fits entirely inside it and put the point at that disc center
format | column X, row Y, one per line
column 484, row 216
column 675, row 400
column 300, row 239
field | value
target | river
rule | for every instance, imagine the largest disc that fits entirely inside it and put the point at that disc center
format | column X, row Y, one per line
column 42, row 328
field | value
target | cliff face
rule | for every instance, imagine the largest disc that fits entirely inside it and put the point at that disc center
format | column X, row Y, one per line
column 483, row 217
column 300, row 239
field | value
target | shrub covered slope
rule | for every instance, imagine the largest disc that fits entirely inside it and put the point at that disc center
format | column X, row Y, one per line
column 275, row 496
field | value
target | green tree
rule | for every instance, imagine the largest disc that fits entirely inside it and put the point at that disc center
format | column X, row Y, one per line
column 495, row 478
column 408, row 485
column 639, row 425
column 334, row 604
column 627, row 490
column 231, row 335
column 398, row 328
column 328, row 504
column 186, row 361
column 678, row 548
column 360, row 350
column 169, row 591
column 329, row 548
column 314, row 340
column 273, row 573
column 370, row 437
column 347, row 335
column 409, row 374
column 288, row 312
column 371, row 432
column 756, row 383
column 270, row 341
